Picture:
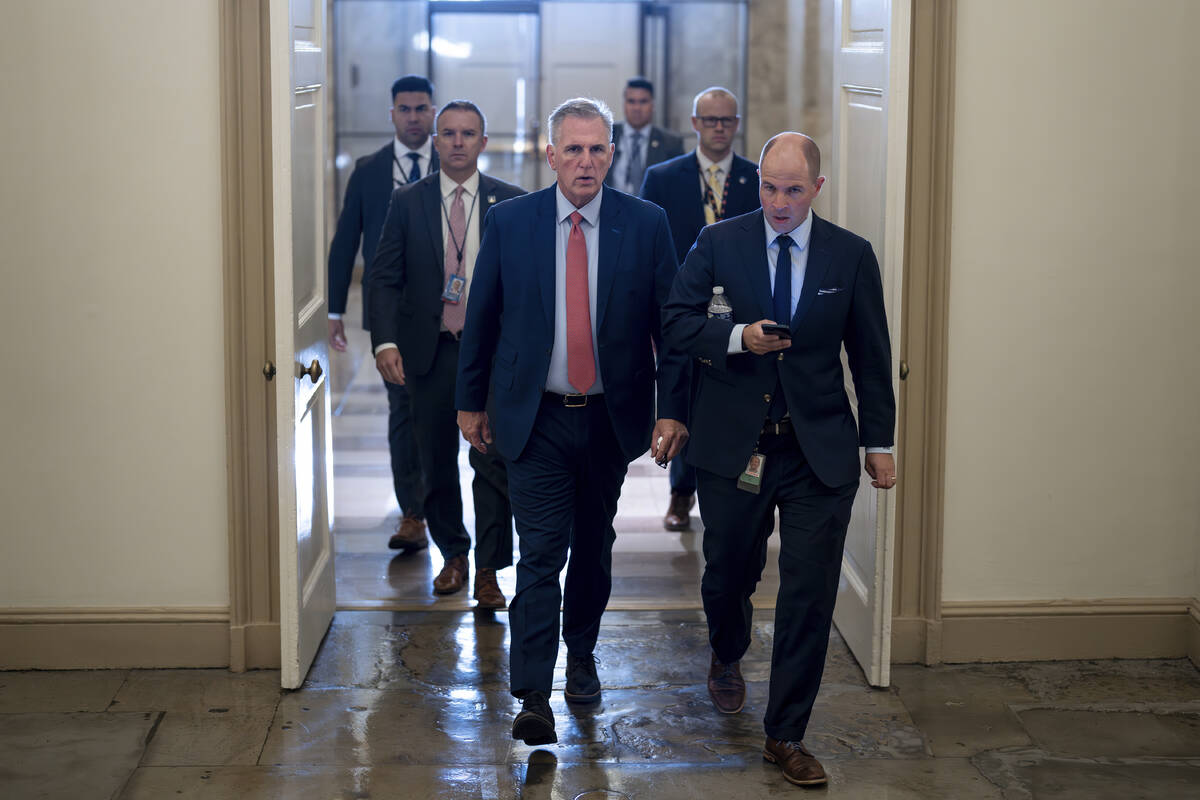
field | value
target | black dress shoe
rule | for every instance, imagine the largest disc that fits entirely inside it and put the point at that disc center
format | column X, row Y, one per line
column 583, row 685
column 535, row 724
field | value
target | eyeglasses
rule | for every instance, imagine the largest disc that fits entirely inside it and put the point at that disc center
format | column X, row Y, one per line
column 711, row 122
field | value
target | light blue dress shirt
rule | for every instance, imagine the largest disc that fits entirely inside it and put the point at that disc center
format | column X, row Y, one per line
column 556, row 378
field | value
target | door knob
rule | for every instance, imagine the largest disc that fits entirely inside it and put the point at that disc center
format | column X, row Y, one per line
column 313, row 371
column 903, row 369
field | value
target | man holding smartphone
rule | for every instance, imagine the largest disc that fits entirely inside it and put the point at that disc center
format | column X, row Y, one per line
column 772, row 428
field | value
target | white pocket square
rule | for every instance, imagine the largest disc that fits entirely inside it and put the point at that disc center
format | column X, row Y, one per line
column 833, row 290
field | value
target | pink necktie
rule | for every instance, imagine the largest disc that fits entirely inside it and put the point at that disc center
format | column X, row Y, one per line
column 581, row 359
column 455, row 314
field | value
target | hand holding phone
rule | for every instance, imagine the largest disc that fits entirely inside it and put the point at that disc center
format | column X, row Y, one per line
column 775, row 329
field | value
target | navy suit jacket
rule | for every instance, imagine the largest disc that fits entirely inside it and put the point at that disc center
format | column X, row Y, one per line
column 510, row 318
column 675, row 186
column 407, row 278
column 367, row 194
column 841, row 302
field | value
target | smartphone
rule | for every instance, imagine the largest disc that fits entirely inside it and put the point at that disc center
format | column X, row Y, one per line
column 775, row 329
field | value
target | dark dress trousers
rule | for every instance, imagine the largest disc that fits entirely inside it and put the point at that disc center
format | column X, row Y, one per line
column 674, row 186
column 812, row 470
column 566, row 465
column 406, row 282
column 663, row 145
column 367, row 195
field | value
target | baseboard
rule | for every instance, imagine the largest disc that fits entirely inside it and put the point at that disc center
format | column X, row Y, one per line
column 254, row 646
column 916, row 640
column 1194, row 632
column 1070, row 629
column 113, row 638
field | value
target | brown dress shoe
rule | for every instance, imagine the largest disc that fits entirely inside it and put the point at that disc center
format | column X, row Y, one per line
column 726, row 687
column 678, row 518
column 487, row 591
column 409, row 536
column 799, row 766
column 452, row 577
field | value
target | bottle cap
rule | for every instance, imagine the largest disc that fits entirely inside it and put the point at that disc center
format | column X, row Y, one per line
column 718, row 290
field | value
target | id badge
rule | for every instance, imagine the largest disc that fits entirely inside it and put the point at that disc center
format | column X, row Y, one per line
column 455, row 285
column 751, row 478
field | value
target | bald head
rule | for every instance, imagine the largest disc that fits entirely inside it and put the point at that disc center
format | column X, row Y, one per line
column 792, row 147
column 789, row 179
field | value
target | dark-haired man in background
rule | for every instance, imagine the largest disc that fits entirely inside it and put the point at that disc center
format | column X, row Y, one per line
column 404, row 160
column 639, row 144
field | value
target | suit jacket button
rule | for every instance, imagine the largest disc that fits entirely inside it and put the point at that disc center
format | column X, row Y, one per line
column 766, row 398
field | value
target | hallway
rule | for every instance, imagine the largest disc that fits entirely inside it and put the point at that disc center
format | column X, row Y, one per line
column 408, row 696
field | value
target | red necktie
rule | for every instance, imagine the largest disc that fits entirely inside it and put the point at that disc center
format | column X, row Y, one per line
column 455, row 314
column 581, row 359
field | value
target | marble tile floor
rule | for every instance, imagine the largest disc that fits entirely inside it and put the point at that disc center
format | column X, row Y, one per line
column 413, row 704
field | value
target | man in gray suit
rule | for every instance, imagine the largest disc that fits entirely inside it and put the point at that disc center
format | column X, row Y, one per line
column 638, row 143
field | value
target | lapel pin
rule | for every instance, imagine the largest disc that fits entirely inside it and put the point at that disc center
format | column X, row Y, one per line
column 492, row 197
column 742, row 179
column 654, row 143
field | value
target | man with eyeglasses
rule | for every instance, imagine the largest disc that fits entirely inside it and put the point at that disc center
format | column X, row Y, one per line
column 639, row 144
column 705, row 186
column 404, row 160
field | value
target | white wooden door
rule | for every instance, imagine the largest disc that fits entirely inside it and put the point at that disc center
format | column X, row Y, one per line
column 867, row 177
column 303, row 434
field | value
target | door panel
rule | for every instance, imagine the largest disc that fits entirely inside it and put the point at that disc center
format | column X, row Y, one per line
column 303, row 435
column 866, row 183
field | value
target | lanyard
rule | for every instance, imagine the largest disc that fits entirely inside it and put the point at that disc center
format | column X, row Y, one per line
column 459, row 248
column 709, row 200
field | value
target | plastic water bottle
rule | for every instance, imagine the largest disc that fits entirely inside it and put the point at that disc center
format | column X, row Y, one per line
column 719, row 305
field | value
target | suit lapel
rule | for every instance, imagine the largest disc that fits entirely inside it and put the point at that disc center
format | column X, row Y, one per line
column 654, row 146
column 543, row 230
column 382, row 182
column 431, row 202
column 760, row 276
column 820, row 257
column 743, row 188
column 611, row 228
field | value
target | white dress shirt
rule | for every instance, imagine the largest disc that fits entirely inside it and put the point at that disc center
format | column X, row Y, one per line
column 470, row 200
column 402, row 164
column 620, row 167
column 556, row 378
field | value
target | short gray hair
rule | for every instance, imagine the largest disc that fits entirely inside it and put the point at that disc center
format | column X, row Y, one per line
column 714, row 91
column 582, row 107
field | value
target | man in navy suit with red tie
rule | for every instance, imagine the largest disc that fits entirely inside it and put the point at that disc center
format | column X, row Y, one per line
column 564, row 327
column 772, row 427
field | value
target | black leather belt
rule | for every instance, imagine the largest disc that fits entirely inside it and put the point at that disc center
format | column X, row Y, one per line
column 450, row 336
column 777, row 428
column 570, row 400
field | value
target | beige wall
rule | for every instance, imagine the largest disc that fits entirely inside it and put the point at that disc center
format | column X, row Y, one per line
column 112, row 478
column 1073, row 432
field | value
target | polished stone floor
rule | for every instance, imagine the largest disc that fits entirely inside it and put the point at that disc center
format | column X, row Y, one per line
column 413, row 704
column 407, row 698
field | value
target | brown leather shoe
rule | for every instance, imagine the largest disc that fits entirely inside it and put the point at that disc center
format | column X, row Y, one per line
column 726, row 687
column 452, row 577
column 799, row 766
column 487, row 591
column 409, row 536
column 678, row 518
